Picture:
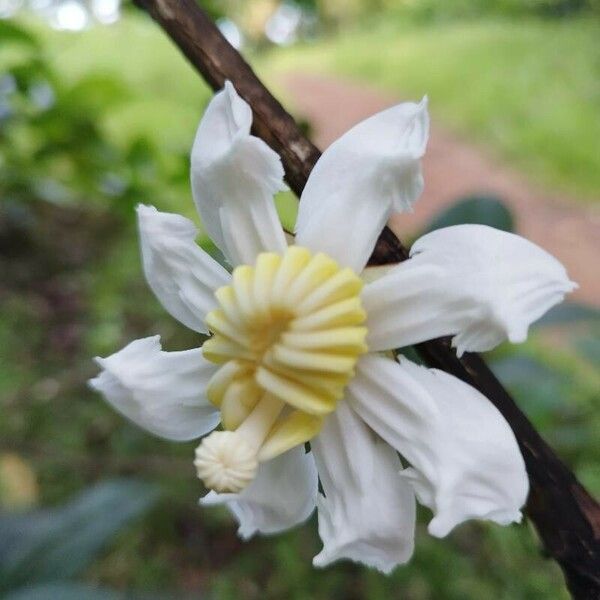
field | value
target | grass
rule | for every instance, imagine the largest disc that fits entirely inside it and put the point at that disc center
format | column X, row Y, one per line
column 528, row 89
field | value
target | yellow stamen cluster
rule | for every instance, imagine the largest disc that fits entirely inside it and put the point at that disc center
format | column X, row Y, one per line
column 288, row 332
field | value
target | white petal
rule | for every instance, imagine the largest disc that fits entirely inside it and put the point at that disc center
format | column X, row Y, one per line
column 361, row 179
column 465, row 461
column 368, row 512
column 234, row 176
column 477, row 283
column 282, row 495
column 162, row 392
column 183, row 276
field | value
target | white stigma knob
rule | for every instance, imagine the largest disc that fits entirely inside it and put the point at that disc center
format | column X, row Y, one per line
column 226, row 462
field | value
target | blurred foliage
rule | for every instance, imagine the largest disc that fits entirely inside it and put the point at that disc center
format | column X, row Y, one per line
column 64, row 591
column 526, row 88
column 438, row 9
column 348, row 11
column 570, row 313
column 52, row 147
column 42, row 550
column 67, row 188
column 102, row 134
column 479, row 210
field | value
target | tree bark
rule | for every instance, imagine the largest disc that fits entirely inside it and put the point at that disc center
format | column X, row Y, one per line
column 563, row 512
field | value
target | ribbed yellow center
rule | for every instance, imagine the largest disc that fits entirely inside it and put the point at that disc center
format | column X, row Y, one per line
column 288, row 332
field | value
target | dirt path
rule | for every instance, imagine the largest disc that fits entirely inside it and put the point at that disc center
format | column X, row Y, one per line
column 453, row 169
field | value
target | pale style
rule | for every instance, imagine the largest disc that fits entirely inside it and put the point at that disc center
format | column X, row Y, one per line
column 300, row 344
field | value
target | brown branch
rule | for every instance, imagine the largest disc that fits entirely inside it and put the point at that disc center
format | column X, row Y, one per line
column 565, row 515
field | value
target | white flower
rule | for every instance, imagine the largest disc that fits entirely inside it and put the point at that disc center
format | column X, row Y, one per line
column 297, row 341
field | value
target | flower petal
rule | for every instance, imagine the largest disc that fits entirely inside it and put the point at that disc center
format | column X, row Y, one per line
column 368, row 512
column 477, row 283
column 370, row 172
column 465, row 461
column 183, row 276
column 162, row 392
column 234, row 176
column 282, row 495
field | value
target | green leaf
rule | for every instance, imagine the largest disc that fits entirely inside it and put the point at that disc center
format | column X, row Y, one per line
column 540, row 388
column 97, row 94
column 589, row 348
column 63, row 591
column 57, row 544
column 287, row 207
column 9, row 32
column 569, row 313
column 411, row 353
column 482, row 210
column 211, row 248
